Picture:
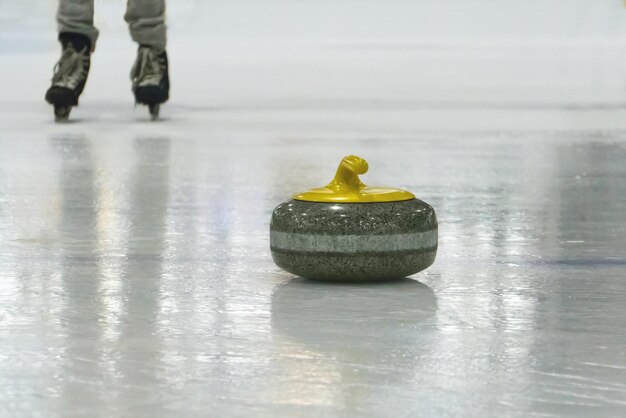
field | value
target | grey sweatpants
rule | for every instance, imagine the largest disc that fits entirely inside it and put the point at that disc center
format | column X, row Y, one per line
column 145, row 18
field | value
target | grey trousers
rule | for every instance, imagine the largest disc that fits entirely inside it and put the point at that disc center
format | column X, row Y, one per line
column 145, row 18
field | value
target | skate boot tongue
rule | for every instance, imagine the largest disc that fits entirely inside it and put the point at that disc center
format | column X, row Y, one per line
column 79, row 42
column 346, row 187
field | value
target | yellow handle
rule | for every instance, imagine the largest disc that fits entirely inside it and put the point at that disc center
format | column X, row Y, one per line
column 347, row 187
column 347, row 177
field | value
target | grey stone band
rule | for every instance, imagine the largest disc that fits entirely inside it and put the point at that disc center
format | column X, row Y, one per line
column 416, row 241
column 353, row 241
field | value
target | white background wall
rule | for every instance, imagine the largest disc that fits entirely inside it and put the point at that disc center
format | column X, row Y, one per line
column 348, row 53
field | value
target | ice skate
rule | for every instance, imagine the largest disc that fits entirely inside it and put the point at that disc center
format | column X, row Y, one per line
column 150, row 79
column 70, row 75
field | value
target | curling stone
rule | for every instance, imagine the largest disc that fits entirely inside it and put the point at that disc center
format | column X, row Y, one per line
column 347, row 231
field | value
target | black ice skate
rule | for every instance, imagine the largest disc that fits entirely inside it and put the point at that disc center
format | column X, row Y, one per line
column 70, row 74
column 150, row 77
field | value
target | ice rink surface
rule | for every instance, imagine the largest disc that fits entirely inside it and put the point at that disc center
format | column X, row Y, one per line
column 135, row 274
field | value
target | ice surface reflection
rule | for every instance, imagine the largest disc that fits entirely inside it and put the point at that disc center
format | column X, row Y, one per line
column 135, row 278
column 336, row 334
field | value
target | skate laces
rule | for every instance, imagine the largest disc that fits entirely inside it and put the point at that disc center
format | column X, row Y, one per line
column 148, row 69
column 70, row 70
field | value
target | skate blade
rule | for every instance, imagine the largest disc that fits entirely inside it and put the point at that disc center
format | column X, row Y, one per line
column 62, row 113
column 154, row 111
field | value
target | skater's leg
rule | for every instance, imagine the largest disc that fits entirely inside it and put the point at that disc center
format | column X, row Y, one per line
column 76, row 17
column 78, row 39
column 150, row 74
column 146, row 21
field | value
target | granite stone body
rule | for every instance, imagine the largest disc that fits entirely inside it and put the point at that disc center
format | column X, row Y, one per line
column 354, row 241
